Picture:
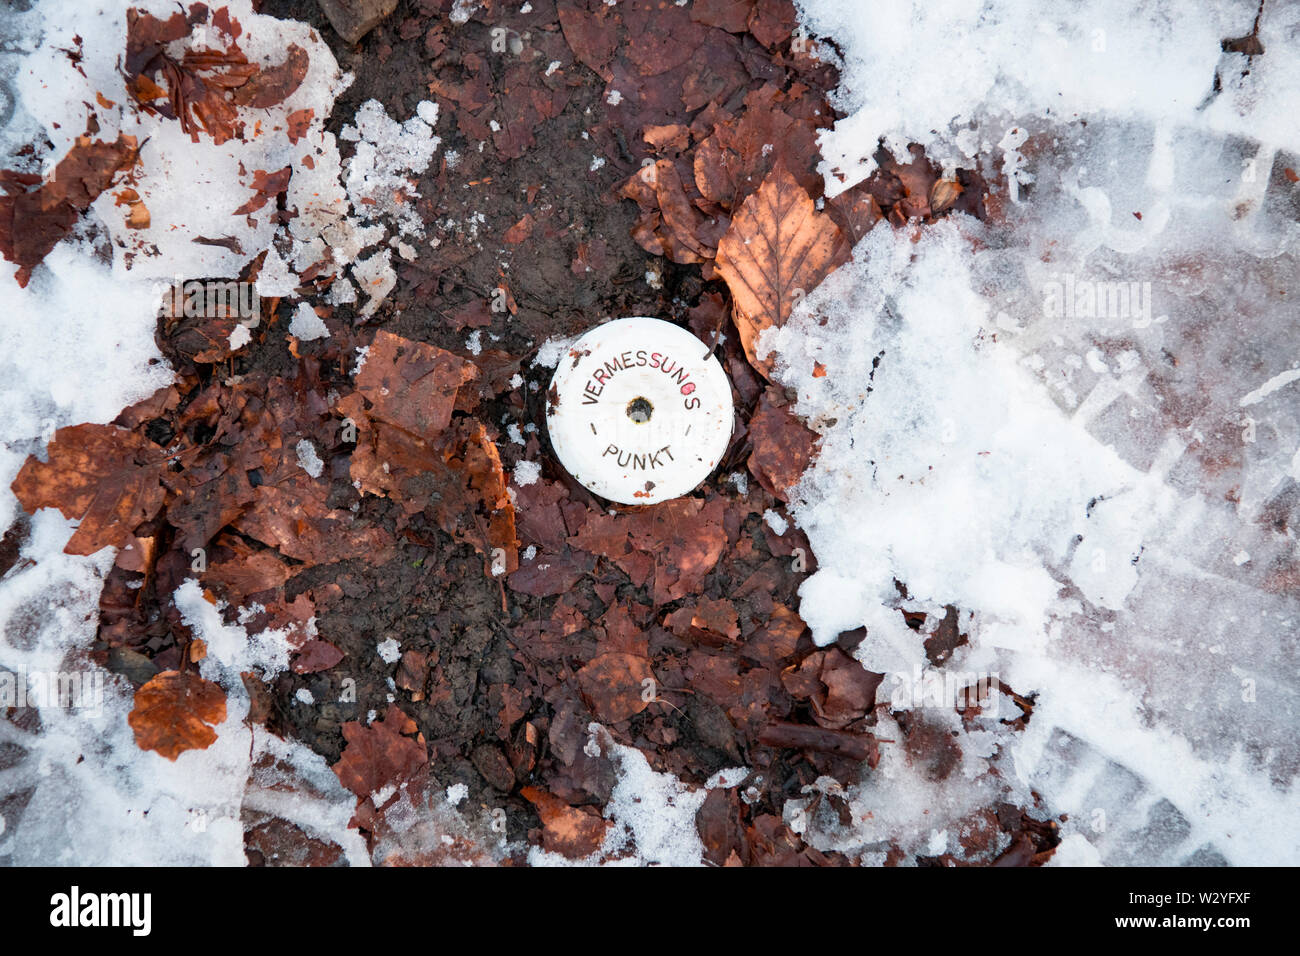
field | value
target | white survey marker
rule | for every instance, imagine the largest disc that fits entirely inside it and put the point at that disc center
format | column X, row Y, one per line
column 639, row 411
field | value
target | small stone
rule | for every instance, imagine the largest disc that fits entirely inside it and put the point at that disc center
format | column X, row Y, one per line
column 133, row 665
column 353, row 19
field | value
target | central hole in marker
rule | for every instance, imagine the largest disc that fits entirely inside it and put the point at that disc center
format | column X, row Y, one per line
column 640, row 410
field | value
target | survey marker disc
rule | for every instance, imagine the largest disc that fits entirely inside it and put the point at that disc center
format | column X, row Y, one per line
column 639, row 411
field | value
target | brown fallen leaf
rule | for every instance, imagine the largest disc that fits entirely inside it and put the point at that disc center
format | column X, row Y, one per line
column 856, row 210
column 138, row 554
column 147, row 35
column 197, row 85
column 730, row 15
column 670, row 223
column 266, row 186
column 677, row 543
column 778, row 249
column 456, row 476
column 33, row 222
column 782, row 445
column 591, row 34
column 778, row 639
column 683, row 239
column 773, row 21
column 612, row 685
column 412, row 384
column 673, row 137
column 718, row 824
column 412, row 672
column 260, row 702
column 622, row 633
column 546, row 575
column 841, row 743
column 274, row 84
column 573, row 832
column 738, row 155
column 238, row 570
column 714, row 177
column 298, row 122
column 839, row 688
column 919, row 179
column 520, row 230
column 380, row 754
column 175, row 712
column 138, row 217
column 708, row 621
column 316, row 655
column 294, row 518
column 104, row 475
column 204, row 88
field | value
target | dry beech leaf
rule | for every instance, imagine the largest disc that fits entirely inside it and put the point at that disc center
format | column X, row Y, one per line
column 266, row 186
column 316, row 655
column 730, row 15
column 204, row 87
column 612, row 685
column 778, row 249
column 573, row 832
column 104, row 475
column 298, row 122
column 33, row 222
column 274, row 84
column 176, row 712
column 412, row 384
column 782, row 445
column 380, row 753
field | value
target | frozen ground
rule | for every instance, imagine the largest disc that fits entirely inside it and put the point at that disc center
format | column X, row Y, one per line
column 1108, row 487
column 1108, row 491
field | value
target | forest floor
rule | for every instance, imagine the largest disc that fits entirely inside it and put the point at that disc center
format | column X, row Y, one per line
column 456, row 624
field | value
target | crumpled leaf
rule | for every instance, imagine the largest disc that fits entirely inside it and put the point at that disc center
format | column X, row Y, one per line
column 778, row 249
column 670, row 224
column 104, row 475
column 411, row 451
column 707, row 621
column 573, row 832
column 266, row 186
column 33, row 222
column 718, row 824
column 274, row 84
column 205, row 87
column 380, row 754
column 782, row 445
column 294, row 518
column 734, row 160
column 176, row 712
column 238, row 570
column 839, row 688
column 674, row 542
